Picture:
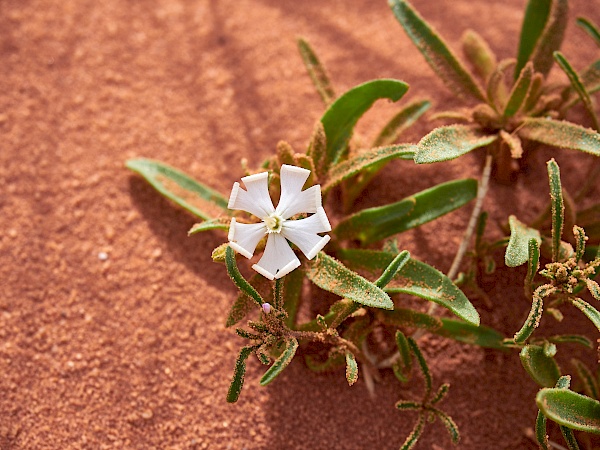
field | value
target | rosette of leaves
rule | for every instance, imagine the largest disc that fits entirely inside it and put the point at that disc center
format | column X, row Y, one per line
column 512, row 107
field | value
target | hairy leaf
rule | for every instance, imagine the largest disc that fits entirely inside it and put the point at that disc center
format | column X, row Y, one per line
column 450, row 142
column 436, row 52
column 467, row 333
column 414, row 348
column 561, row 134
column 590, row 29
column 351, row 369
column 519, row 91
column 316, row 71
column 415, row 434
column 280, row 363
column 535, row 314
column 479, row 53
column 558, row 207
column 540, row 431
column 373, row 224
column 193, row 196
column 542, row 368
column 533, row 265
column 589, row 311
column 551, row 37
column 237, row 381
column 292, row 294
column 450, row 425
column 400, row 122
column 366, row 160
column 238, row 279
column 390, row 271
column 536, row 17
column 570, row 409
column 517, row 251
column 340, row 118
column 215, row 224
column 333, row 276
column 590, row 384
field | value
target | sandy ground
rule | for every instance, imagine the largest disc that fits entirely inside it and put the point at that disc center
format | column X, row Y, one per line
column 130, row 351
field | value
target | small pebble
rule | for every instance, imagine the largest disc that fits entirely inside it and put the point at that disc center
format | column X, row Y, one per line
column 102, row 256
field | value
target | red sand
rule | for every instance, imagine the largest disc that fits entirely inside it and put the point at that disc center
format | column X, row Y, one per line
column 131, row 352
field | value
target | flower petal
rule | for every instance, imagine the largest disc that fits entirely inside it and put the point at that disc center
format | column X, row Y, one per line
column 293, row 199
column 244, row 237
column 303, row 233
column 256, row 200
column 278, row 259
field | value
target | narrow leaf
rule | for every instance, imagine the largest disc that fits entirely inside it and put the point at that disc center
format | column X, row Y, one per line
column 533, row 265
column 551, row 38
column 333, row 362
column 373, row 224
column 280, row 363
column 558, row 207
column 479, row 54
column 414, row 348
column 316, row 71
column 572, row 338
column 590, row 28
column 240, row 309
column 590, row 77
column 570, row 409
column 292, row 294
column 238, row 279
column 405, row 405
column 513, row 142
column 517, row 251
column 340, row 118
column 519, row 91
column 181, row 188
column 402, row 317
column 237, row 381
column 536, row 16
column 450, row 142
column 541, row 368
column 594, row 288
column 450, row 426
column 400, row 122
column 589, row 311
column 390, row 271
column 436, row 52
column 570, row 438
column 415, row 434
column 317, row 150
column 333, row 276
column 351, row 369
column 404, row 351
column 467, row 333
column 541, row 431
column 215, row 224
column 440, row 394
column 535, row 314
column 561, row 134
column 578, row 86
column 366, row 160
column 580, row 238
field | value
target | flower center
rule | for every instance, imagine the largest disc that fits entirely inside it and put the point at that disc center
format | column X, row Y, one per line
column 274, row 222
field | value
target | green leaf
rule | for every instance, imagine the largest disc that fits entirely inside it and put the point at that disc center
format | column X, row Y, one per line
column 215, row 224
column 536, row 16
column 402, row 317
column 540, row 431
column 569, row 437
column 373, row 224
column 570, row 409
column 414, row 348
column 416, row 278
column 519, row 91
column 240, row 309
column 577, row 86
column 333, row 276
column 238, row 279
column 351, row 369
column 440, row 394
column 333, row 361
column 366, row 160
column 590, row 28
column 561, row 134
column 533, row 265
column 405, row 360
column 415, row 434
column 467, row 333
column 436, row 52
column 535, row 314
column 340, row 118
column 292, row 294
column 590, row 384
column 400, row 122
column 590, row 77
column 291, row 345
column 450, row 142
column 479, row 54
column 450, row 425
column 558, row 207
column 181, row 188
column 517, row 251
column 587, row 309
column 551, row 37
column 237, row 381
column 594, row 288
column 390, row 271
column 316, row 71
column 572, row 338
column 407, row 405
column 541, row 368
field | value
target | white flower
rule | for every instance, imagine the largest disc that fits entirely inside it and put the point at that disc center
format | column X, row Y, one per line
column 278, row 259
